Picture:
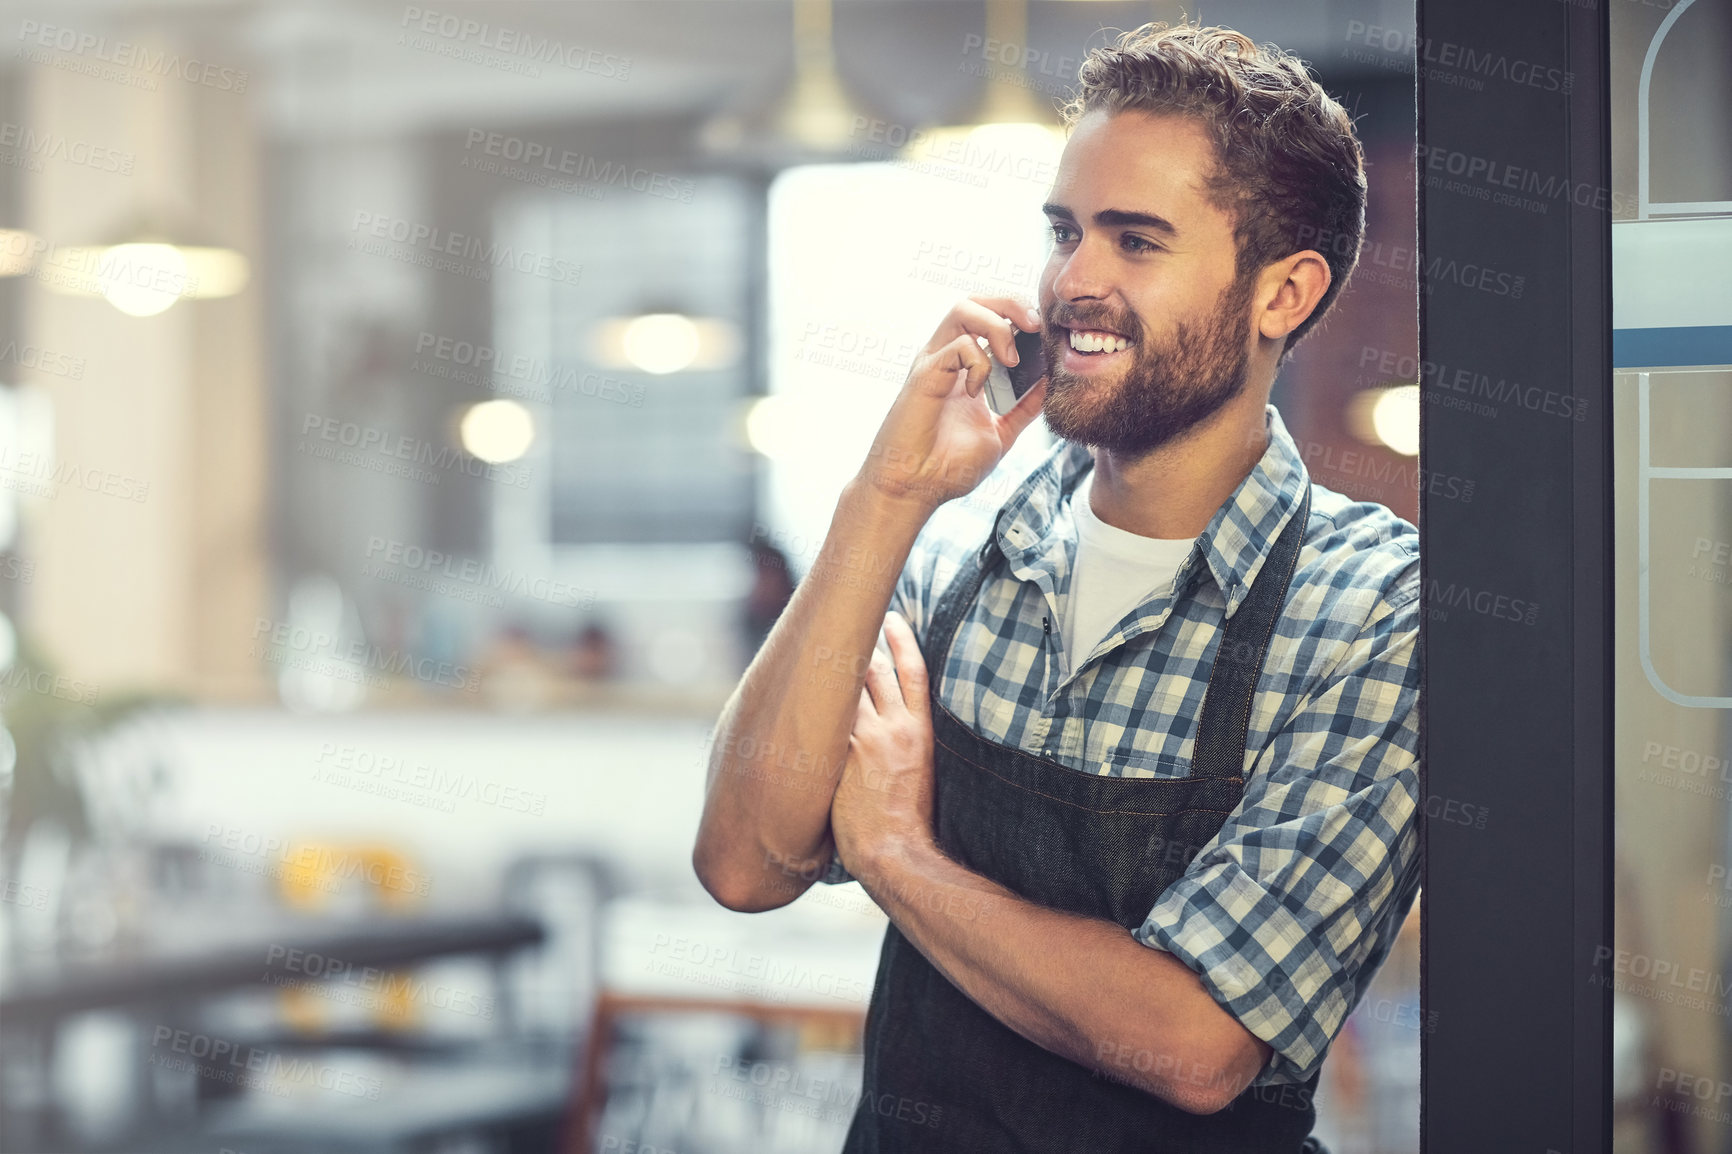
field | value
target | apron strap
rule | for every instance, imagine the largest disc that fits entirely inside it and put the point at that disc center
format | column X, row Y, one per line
column 958, row 596
column 1219, row 749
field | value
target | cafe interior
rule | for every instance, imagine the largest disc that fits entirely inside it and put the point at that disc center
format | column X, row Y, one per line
column 412, row 420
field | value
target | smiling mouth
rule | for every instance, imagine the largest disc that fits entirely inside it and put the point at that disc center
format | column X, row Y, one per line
column 1096, row 342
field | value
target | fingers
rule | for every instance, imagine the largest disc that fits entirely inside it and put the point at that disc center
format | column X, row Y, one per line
column 1022, row 414
column 910, row 665
column 964, row 355
column 986, row 317
column 1026, row 316
column 881, row 684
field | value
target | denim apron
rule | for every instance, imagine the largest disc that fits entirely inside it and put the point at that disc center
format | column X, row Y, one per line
column 943, row 1075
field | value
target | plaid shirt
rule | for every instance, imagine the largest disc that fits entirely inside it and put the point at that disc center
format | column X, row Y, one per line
column 1288, row 913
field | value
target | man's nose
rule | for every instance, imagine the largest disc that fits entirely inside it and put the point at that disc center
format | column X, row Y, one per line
column 1082, row 276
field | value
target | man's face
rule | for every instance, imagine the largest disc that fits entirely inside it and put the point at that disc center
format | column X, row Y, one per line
column 1141, row 259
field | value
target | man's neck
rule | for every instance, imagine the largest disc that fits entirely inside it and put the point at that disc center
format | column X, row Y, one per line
column 1175, row 491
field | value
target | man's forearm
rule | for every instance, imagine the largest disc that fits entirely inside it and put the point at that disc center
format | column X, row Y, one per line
column 782, row 738
column 1080, row 987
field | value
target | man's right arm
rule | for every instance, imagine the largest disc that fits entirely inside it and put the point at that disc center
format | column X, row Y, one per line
column 783, row 735
column 780, row 744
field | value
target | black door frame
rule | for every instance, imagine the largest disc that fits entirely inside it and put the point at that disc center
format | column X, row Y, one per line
column 1515, row 327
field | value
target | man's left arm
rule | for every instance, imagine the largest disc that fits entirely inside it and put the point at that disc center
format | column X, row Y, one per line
column 1086, row 988
column 1080, row 987
column 1287, row 913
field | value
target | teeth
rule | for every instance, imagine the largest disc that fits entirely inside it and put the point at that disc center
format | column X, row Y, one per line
column 1094, row 342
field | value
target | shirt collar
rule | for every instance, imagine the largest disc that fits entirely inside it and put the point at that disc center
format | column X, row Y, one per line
column 1235, row 542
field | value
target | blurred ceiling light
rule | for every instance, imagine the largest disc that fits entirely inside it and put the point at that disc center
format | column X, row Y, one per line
column 965, row 143
column 497, row 431
column 148, row 270
column 1388, row 417
column 816, row 111
column 665, row 342
column 814, row 115
column 214, row 272
column 660, row 342
column 773, row 428
column 19, row 250
column 142, row 279
column 1010, row 117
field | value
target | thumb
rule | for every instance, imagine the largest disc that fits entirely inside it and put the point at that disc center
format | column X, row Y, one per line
column 1022, row 414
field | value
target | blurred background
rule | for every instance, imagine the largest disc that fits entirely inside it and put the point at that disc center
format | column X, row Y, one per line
column 411, row 421
column 1671, row 207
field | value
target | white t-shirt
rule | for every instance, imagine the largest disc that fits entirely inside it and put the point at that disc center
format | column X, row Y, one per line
column 1115, row 572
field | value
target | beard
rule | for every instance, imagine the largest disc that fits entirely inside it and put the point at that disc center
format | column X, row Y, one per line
column 1169, row 388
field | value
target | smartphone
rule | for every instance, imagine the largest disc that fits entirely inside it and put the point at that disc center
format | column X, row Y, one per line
column 1005, row 385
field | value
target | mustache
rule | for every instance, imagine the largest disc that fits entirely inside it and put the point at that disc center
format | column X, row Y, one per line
column 1070, row 317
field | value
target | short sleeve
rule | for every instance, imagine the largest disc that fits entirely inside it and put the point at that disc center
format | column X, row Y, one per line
column 913, row 596
column 1289, row 912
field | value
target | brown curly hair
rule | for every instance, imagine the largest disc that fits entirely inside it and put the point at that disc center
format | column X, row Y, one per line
column 1290, row 173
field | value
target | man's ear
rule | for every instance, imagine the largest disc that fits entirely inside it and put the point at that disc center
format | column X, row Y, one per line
column 1288, row 291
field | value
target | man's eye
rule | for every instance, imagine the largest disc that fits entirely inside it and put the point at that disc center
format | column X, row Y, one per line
column 1137, row 244
column 1062, row 232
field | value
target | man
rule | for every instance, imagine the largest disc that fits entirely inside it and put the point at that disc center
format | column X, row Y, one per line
column 1137, row 784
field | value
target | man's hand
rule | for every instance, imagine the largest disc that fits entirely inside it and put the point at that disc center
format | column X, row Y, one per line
column 884, row 799
column 940, row 438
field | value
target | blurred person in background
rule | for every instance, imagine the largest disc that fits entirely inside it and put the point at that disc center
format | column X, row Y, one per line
column 772, row 589
column 1137, row 781
column 594, row 653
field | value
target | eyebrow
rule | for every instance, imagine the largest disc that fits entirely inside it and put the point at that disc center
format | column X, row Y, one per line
column 1117, row 217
